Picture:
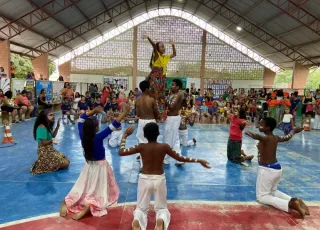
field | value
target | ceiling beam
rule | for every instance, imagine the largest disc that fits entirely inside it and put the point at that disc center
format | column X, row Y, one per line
column 216, row 12
column 254, row 5
column 86, row 26
column 22, row 54
column 88, row 20
column 108, row 13
column 27, row 21
column 129, row 9
column 45, row 11
column 256, row 31
column 301, row 15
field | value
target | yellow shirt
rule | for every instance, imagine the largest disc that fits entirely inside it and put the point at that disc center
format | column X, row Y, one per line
column 161, row 62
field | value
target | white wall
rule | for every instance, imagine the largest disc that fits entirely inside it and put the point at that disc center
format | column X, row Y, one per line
column 86, row 78
column 247, row 84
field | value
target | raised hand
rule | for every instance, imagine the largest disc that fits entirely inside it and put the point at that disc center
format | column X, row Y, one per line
column 205, row 164
column 58, row 122
column 126, row 108
column 98, row 109
column 129, row 131
column 144, row 36
column 171, row 42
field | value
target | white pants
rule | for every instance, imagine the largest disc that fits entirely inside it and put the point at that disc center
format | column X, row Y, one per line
column 266, row 189
column 171, row 135
column 140, row 134
column 183, row 135
column 115, row 139
column 149, row 185
column 316, row 122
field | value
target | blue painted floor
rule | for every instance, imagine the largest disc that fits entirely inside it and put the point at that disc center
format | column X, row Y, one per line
column 23, row 195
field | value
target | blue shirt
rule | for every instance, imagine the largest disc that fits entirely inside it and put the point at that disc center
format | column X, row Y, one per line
column 98, row 104
column 98, row 149
column 82, row 105
column 66, row 107
column 294, row 103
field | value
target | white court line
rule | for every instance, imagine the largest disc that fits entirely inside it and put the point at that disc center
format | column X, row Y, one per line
column 195, row 202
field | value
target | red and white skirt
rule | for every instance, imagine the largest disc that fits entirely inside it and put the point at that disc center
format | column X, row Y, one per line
column 96, row 187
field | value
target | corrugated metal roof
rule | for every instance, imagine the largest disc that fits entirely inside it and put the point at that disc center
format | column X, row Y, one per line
column 259, row 12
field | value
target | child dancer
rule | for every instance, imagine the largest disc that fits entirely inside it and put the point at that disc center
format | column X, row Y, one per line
column 270, row 170
column 96, row 188
column 82, row 105
column 183, row 130
column 152, row 180
column 287, row 122
column 234, row 152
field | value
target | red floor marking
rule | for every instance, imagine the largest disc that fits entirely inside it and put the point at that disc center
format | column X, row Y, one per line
column 188, row 216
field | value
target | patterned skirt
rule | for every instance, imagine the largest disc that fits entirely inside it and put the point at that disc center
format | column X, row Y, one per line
column 49, row 160
column 157, row 82
column 96, row 187
column 234, row 151
column 272, row 110
column 286, row 127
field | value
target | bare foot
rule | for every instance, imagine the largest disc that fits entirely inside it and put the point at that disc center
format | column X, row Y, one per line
column 194, row 140
column 242, row 153
column 295, row 204
column 85, row 211
column 138, row 158
column 63, row 209
column 135, row 225
column 160, row 224
column 304, row 206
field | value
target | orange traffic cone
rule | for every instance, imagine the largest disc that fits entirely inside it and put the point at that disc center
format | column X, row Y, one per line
column 7, row 135
column 306, row 126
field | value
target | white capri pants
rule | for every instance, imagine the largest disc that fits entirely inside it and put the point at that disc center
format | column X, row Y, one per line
column 266, row 189
column 149, row 185
column 171, row 135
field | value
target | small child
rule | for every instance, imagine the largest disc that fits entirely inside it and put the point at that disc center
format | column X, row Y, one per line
column 234, row 152
column 183, row 129
column 91, row 103
column 259, row 113
column 152, row 179
column 214, row 111
column 114, row 105
column 203, row 111
column 97, row 102
column 82, row 105
column 287, row 122
column 67, row 110
column 270, row 170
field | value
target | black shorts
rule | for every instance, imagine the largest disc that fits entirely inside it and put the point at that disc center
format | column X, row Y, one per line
column 7, row 109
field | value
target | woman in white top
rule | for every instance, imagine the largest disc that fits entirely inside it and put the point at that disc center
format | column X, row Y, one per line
column 287, row 122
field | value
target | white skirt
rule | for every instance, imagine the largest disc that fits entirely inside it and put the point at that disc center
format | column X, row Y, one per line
column 96, row 187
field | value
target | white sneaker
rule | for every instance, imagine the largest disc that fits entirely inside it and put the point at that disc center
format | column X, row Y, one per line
column 178, row 163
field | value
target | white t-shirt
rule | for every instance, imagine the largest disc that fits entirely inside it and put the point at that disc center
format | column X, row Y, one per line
column 287, row 118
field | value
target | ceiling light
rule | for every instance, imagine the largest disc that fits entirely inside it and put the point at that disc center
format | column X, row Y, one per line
column 239, row 28
column 180, row 1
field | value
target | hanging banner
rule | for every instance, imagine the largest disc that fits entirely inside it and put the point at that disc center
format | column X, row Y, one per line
column 47, row 85
column 57, row 86
column 4, row 84
column 170, row 79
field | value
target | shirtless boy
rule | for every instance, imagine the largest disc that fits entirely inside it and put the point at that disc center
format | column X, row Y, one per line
column 146, row 109
column 270, row 172
column 171, row 127
column 152, row 180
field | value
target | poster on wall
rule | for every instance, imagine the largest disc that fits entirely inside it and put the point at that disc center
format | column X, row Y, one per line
column 57, row 86
column 183, row 79
column 193, row 83
column 29, row 86
column 218, row 86
column 47, row 85
column 4, row 84
column 117, row 82
column 17, row 86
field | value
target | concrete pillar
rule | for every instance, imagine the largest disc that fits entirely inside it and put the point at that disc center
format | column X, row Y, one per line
column 135, row 57
column 5, row 56
column 203, row 61
column 41, row 66
column 65, row 70
column 299, row 77
column 268, row 78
